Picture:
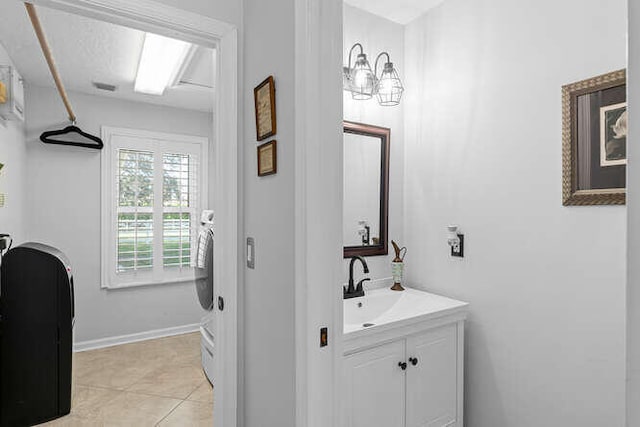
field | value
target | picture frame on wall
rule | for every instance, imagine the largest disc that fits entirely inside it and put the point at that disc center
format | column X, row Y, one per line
column 594, row 141
column 264, row 96
column 267, row 158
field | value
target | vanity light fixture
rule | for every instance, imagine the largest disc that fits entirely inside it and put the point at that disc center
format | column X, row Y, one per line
column 364, row 83
column 160, row 60
column 359, row 79
column 388, row 87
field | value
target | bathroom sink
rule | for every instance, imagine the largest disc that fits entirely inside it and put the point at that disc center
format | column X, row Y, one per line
column 370, row 308
column 384, row 310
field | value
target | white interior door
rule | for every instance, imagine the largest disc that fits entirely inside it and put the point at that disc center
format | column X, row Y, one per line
column 432, row 374
column 374, row 392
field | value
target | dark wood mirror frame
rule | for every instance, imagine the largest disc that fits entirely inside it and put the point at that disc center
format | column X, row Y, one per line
column 384, row 134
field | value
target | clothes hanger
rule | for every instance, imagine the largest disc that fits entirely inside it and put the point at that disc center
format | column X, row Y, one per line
column 48, row 137
column 77, row 137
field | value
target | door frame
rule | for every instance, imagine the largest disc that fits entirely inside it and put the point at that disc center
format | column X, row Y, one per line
column 633, row 231
column 318, row 179
column 148, row 15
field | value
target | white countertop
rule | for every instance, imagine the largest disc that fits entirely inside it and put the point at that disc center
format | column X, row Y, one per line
column 392, row 313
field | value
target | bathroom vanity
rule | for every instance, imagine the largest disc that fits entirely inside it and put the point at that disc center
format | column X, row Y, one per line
column 403, row 360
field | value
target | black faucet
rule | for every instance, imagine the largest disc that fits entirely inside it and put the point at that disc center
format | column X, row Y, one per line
column 352, row 291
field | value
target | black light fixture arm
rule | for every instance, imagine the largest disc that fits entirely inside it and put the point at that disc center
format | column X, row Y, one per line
column 351, row 52
column 375, row 67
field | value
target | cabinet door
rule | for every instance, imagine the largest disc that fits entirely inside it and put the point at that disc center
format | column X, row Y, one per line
column 432, row 382
column 374, row 387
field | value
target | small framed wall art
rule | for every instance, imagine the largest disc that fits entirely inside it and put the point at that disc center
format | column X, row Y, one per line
column 594, row 141
column 264, row 96
column 267, row 158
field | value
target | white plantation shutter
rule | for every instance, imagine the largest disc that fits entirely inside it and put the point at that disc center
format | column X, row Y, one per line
column 152, row 187
column 135, row 210
column 179, row 199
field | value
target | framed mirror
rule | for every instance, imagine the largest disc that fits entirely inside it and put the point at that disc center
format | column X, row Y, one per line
column 366, row 189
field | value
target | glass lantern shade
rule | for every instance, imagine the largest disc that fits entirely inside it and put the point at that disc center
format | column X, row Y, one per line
column 389, row 87
column 363, row 80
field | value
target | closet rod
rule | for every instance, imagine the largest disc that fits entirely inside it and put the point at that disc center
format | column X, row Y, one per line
column 44, row 44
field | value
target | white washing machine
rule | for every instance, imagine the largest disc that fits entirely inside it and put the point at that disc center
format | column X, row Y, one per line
column 204, row 288
column 206, row 330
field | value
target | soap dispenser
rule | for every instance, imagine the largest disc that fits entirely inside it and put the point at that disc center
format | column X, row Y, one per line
column 397, row 266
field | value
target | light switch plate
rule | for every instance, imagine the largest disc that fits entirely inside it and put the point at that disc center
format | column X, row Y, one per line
column 251, row 253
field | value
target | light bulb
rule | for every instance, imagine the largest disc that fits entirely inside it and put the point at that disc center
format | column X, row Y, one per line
column 363, row 80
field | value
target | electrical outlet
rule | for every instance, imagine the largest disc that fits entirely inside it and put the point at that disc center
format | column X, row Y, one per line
column 460, row 252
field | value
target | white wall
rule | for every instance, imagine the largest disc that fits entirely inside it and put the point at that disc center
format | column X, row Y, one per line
column 376, row 35
column 269, row 348
column 64, row 210
column 546, row 283
column 633, row 229
column 13, row 176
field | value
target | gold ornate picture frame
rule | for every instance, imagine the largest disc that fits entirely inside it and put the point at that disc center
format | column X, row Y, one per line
column 594, row 127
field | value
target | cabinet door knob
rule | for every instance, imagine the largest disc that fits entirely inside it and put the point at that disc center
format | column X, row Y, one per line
column 413, row 360
column 403, row 365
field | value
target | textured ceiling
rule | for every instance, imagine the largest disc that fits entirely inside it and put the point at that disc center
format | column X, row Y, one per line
column 87, row 51
column 400, row 11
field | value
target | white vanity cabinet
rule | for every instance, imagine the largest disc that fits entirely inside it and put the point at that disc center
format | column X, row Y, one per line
column 375, row 387
column 428, row 392
column 432, row 383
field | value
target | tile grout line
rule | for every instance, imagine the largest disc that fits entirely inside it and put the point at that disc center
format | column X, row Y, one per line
column 193, row 391
column 157, row 395
column 101, row 387
column 169, row 413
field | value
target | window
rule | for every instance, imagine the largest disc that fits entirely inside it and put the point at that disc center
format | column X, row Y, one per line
column 152, row 187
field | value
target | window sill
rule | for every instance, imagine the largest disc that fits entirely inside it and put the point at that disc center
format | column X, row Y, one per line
column 147, row 283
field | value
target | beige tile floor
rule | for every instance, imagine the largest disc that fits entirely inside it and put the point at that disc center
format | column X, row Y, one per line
column 150, row 383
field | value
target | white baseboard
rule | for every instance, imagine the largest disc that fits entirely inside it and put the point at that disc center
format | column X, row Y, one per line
column 140, row 336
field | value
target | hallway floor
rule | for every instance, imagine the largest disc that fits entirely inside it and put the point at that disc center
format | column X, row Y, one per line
column 149, row 383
